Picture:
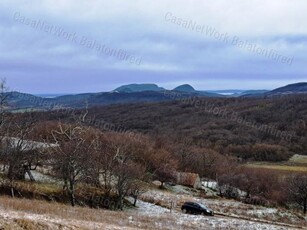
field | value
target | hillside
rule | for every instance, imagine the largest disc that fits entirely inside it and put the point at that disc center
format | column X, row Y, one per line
column 21, row 101
column 289, row 89
column 36, row 214
column 270, row 129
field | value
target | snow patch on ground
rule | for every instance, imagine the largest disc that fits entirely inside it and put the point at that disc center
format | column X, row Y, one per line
column 228, row 207
column 199, row 221
column 146, row 208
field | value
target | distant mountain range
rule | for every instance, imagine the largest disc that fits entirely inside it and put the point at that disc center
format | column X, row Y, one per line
column 136, row 93
column 186, row 88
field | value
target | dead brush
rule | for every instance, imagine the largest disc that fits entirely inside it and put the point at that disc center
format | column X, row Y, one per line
column 148, row 199
column 27, row 224
column 69, row 215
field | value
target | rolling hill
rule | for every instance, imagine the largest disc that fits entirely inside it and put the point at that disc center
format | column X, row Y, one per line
column 133, row 88
column 185, row 88
column 134, row 93
column 296, row 88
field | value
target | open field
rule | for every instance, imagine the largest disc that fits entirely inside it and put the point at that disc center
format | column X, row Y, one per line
column 297, row 163
column 298, row 159
column 285, row 168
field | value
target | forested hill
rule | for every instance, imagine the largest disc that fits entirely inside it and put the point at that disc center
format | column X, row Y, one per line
column 251, row 128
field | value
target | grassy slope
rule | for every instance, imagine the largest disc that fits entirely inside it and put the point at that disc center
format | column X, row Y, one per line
column 297, row 163
column 298, row 159
column 277, row 167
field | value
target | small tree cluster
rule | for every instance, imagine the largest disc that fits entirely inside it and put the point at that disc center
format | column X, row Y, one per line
column 113, row 162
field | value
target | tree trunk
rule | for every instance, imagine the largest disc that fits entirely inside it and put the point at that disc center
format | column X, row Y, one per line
column 72, row 194
column 91, row 201
column 12, row 192
column 161, row 186
column 121, row 203
column 30, row 175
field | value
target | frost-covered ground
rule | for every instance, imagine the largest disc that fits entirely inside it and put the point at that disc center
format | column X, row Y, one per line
column 229, row 208
column 31, row 214
column 23, row 220
column 198, row 221
column 152, row 212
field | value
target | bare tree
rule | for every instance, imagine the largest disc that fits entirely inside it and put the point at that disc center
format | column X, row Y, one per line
column 164, row 166
column 297, row 189
column 103, row 162
column 3, row 113
column 116, row 160
column 126, row 170
column 20, row 155
column 135, row 190
column 3, row 103
column 70, row 155
column 202, row 161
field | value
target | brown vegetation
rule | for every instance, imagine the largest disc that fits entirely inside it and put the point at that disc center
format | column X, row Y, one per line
column 176, row 137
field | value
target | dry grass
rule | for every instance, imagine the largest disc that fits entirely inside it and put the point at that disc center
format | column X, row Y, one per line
column 38, row 188
column 53, row 208
column 46, row 214
column 34, row 214
column 30, row 224
column 286, row 168
column 25, row 224
column 72, row 216
column 299, row 159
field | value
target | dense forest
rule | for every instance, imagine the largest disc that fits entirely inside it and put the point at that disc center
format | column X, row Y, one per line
column 261, row 129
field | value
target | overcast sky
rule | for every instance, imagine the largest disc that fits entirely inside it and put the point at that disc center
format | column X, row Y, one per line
column 70, row 46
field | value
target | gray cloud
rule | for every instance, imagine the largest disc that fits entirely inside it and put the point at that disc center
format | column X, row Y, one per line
column 34, row 60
